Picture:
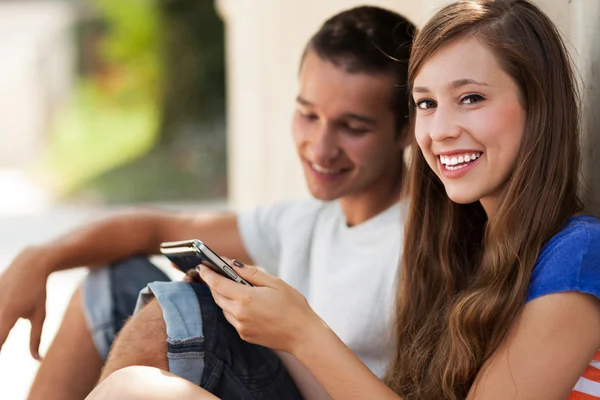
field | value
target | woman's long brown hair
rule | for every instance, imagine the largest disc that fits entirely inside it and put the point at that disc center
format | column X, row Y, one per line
column 464, row 277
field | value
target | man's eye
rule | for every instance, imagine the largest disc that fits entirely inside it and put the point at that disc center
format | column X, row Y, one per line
column 472, row 99
column 309, row 117
column 356, row 130
column 425, row 104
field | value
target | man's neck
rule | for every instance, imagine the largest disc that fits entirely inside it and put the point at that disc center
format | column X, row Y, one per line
column 364, row 206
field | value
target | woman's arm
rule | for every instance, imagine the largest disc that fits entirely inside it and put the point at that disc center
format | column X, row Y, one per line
column 337, row 368
column 549, row 347
column 547, row 350
column 275, row 315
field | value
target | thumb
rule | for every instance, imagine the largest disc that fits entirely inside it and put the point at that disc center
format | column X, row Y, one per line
column 254, row 275
column 37, row 322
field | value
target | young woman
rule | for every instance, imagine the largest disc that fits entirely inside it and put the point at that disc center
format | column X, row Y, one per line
column 499, row 294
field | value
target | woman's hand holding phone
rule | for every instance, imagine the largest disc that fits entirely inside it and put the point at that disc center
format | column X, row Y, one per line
column 192, row 276
column 271, row 314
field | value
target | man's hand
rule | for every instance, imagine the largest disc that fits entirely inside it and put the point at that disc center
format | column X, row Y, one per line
column 23, row 295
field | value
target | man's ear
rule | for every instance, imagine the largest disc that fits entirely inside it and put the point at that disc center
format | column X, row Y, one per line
column 403, row 139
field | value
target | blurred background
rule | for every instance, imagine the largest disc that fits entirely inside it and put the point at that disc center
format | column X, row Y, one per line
column 112, row 101
column 177, row 104
column 104, row 104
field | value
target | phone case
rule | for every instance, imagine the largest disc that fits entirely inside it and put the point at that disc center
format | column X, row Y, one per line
column 188, row 254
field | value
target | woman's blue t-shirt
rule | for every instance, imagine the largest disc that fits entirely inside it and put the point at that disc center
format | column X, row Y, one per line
column 570, row 261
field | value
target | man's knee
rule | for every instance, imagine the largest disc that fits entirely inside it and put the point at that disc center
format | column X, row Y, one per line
column 142, row 341
column 109, row 297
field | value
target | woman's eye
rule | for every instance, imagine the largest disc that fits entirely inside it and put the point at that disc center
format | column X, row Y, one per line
column 425, row 104
column 472, row 99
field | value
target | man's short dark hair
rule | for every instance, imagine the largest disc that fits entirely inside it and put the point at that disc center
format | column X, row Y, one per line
column 369, row 40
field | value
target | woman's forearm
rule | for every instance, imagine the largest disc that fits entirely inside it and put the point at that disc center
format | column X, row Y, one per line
column 337, row 368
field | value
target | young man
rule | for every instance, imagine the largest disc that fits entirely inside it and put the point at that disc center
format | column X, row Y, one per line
column 350, row 131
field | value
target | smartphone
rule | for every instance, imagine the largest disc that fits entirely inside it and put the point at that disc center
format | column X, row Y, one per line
column 187, row 254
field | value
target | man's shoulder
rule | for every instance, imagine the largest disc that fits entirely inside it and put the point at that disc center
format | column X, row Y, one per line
column 286, row 214
column 303, row 211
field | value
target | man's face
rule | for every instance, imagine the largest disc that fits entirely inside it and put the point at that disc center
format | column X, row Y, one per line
column 344, row 130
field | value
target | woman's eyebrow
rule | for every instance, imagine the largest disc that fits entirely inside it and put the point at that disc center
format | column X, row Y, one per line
column 452, row 85
column 465, row 81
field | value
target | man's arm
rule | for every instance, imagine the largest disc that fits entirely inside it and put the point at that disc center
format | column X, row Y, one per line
column 140, row 232
column 23, row 284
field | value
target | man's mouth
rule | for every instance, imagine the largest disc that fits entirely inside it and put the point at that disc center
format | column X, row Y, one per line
column 327, row 172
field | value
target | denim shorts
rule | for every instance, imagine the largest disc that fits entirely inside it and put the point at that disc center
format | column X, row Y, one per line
column 202, row 346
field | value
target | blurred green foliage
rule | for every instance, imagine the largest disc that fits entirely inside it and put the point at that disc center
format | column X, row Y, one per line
column 131, row 46
column 146, row 121
column 95, row 134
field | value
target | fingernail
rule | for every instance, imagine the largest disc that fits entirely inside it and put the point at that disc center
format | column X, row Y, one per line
column 238, row 264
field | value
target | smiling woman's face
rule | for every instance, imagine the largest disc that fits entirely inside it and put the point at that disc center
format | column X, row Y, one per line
column 469, row 121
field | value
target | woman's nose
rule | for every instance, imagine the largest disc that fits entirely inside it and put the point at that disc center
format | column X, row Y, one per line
column 444, row 125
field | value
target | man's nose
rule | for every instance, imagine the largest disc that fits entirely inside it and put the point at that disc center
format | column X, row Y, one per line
column 325, row 144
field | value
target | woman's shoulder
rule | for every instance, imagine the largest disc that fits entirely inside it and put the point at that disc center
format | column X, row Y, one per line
column 580, row 233
column 570, row 261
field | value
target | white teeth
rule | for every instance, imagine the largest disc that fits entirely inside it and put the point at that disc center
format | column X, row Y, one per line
column 452, row 161
column 322, row 170
column 454, row 168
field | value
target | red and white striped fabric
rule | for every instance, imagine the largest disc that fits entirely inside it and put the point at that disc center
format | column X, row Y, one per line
column 588, row 386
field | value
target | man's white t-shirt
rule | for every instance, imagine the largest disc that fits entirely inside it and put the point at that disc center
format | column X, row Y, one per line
column 347, row 274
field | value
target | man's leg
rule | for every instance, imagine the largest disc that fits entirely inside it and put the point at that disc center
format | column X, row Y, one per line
column 145, row 383
column 72, row 366
column 97, row 311
column 165, row 332
column 143, row 341
column 199, row 345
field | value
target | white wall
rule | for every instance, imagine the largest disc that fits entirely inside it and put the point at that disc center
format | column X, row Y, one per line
column 265, row 39
column 36, row 75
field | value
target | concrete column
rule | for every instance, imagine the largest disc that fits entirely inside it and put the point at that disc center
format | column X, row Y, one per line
column 265, row 39
column 36, row 75
column 585, row 32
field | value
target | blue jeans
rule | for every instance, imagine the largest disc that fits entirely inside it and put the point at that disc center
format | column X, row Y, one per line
column 202, row 346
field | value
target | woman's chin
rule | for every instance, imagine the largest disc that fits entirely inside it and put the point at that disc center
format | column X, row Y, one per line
column 463, row 198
